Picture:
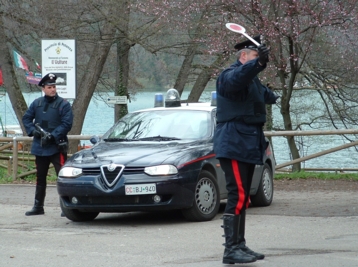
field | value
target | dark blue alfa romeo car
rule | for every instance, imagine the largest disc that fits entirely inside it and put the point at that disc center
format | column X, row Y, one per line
column 155, row 159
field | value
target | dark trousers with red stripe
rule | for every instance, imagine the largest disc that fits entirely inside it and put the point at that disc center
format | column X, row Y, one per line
column 43, row 165
column 238, row 177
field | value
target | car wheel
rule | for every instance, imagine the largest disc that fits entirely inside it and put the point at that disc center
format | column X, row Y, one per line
column 206, row 199
column 264, row 194
column 76, row 215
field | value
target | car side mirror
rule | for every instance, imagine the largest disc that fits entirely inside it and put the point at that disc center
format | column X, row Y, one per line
column 94, row 139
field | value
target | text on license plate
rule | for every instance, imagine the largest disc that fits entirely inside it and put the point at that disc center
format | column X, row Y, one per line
column 140, row 189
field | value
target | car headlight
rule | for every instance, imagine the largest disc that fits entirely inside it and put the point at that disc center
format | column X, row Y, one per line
column 161, row 170
column 70, row 172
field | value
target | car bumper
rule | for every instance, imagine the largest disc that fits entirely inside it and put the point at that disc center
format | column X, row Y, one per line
column 92, row 195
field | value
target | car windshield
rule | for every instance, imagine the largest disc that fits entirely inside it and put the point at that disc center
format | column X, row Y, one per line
column 161, row 125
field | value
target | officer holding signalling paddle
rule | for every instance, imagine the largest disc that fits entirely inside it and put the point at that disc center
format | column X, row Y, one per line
column 239, row 141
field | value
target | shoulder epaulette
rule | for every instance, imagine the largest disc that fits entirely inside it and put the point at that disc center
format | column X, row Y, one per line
column 39, row 101
column 57, row 102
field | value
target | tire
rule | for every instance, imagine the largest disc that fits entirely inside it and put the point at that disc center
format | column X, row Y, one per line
column 264, row 194
column 76, row 215
column 206, row 202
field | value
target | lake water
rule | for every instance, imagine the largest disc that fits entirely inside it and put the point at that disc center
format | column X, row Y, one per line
column 100, row 117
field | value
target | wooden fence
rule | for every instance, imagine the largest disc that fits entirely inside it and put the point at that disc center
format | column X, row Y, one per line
column 14, row 144
column 315, row 155
column 18, row 144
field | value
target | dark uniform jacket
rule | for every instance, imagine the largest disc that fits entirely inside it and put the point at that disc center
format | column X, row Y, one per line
column 54, row 114
column 241, row 113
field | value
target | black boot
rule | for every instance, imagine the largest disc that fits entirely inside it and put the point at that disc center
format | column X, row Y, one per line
column 241, row 238
column 233, row 254
column 38, row 208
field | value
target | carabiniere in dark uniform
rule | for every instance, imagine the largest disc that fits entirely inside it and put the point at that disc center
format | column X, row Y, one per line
column 48, row 120
column 239, row 141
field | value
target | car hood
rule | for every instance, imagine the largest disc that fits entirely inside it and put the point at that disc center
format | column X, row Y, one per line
column 138, row 153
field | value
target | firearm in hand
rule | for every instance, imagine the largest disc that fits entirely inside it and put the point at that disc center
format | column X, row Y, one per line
column 46, row 137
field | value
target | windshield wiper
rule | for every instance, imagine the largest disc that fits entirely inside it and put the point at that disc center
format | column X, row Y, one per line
column 158, row 138
column 119, row 140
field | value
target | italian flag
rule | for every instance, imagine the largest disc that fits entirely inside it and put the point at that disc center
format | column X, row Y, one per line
column 38, row 65
column 20, row 61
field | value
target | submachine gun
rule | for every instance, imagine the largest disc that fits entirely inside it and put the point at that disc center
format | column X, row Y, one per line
column 46, row 137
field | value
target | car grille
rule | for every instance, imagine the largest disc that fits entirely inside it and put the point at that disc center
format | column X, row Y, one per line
column 127, row 170
column 109, row 178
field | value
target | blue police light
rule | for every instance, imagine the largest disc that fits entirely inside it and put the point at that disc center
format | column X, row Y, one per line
column 213, row 98
column 172, row 99
column 158, row 100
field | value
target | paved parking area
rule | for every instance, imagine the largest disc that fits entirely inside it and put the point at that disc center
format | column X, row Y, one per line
column 298, row 229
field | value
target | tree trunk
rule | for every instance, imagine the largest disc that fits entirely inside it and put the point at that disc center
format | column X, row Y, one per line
column 122, row 75
column 269, row 125
column 185, row 68
column 10, row 80
column 285, row 111
column 191, row 51
column 203, row 79
column 89, row 81
column 199, row 86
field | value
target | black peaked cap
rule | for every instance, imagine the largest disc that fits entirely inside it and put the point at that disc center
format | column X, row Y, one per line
column 48, row 79
column 248, row 44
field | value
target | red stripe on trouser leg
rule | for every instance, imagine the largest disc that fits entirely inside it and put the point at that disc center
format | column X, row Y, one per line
column 240, row 188
column 62, row 159
column 248, row 202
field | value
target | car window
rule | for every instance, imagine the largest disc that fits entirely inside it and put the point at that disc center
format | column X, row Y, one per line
column 182, row 124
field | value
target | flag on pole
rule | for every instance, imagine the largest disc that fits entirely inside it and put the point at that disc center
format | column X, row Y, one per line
column 1, row 80
column 20, row 61
column 38, row 65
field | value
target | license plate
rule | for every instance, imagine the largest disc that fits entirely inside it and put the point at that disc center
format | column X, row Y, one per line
column 140, row 189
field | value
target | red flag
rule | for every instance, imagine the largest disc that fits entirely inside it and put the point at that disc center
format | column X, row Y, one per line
column 1, row 80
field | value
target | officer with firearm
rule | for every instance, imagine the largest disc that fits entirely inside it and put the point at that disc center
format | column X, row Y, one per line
column 48, row 120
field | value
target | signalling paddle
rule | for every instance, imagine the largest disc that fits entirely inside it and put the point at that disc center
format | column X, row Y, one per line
column 239, row 29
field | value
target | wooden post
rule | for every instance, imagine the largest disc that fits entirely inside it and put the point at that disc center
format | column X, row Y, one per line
column 9, row 164
column 15, row 158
